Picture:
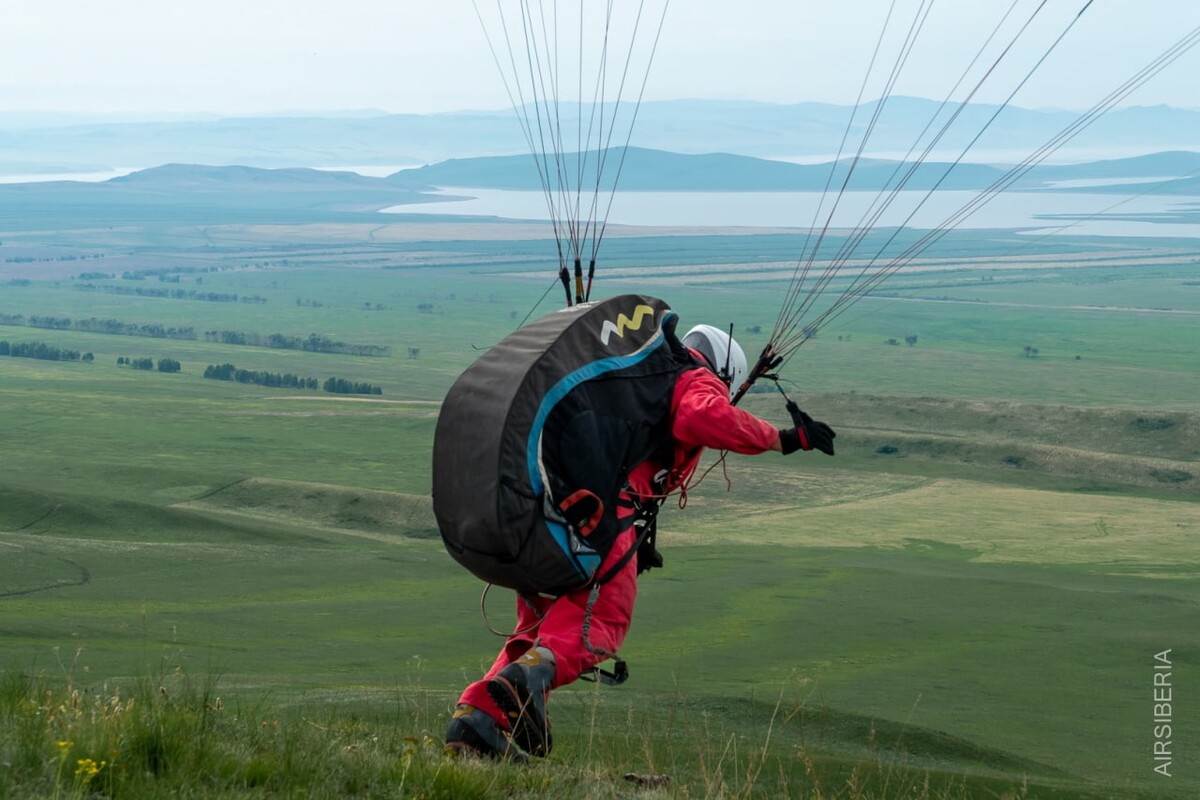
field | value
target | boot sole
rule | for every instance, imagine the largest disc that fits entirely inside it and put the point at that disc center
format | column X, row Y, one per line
column 468, row 741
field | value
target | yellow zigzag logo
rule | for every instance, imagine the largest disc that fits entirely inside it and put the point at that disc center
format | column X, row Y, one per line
column 624, row 323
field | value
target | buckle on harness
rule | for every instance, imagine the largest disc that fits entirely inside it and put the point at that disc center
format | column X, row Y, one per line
column 584, row 510
column 619, row 674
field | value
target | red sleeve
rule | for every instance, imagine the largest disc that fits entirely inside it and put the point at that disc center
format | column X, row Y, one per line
column 704, row 417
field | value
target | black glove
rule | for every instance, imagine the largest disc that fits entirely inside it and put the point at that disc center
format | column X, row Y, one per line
column 807, row 435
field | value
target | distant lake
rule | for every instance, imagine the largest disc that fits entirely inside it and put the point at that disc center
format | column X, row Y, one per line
column 372, row 170
column 797, row 209
column 85, row 177
column 95, row 176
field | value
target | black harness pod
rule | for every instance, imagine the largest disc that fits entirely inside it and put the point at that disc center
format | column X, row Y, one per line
column 536, row 439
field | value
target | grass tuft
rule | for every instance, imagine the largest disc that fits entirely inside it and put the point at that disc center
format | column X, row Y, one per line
column 171, row 736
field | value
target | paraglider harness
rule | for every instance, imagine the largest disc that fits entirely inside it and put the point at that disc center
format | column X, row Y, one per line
column 535, row 443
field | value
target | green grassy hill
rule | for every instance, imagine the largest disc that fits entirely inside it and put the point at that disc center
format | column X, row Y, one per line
column 220, row 589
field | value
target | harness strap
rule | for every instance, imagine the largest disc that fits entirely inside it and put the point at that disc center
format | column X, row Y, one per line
column 620, row 672
column 644, row 517
column 647, row 530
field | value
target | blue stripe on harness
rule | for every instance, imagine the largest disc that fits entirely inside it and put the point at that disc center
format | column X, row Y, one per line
column 552, row 398
column 585, row 563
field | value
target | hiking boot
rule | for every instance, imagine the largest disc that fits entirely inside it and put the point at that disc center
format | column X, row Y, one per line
column 472, row 732
column 521, row 689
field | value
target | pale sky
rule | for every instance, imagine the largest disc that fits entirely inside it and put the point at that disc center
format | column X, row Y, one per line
column 252, row 56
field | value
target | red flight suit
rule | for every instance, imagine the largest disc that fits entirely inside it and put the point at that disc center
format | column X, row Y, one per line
column 701, row 416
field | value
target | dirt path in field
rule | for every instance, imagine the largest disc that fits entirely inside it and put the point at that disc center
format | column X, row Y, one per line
column 420, row 408
column 1107, row 309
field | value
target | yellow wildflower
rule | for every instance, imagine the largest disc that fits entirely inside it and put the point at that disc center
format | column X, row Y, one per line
column 88, row 768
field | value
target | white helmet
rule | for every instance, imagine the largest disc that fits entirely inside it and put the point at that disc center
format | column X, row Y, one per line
column 724, row 355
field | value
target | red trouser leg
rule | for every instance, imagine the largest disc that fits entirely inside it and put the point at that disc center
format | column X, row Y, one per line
column 561, row 628
column 527, row 616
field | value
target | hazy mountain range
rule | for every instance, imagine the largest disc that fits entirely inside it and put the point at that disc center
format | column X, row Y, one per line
column 655, row 170
column 196, row 192
column 32, row 144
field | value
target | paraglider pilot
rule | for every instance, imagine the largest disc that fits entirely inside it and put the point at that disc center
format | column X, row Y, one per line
column 503, row 715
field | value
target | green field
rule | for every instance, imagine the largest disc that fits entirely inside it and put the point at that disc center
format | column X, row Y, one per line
column 967, row 601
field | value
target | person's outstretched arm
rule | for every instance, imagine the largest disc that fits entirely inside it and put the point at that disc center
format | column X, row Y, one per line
column 704, row 417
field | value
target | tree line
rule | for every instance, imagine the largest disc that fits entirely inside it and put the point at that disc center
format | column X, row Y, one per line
column 164, row 364
column 343, row 386
column 220, row 372
column 169, row 274
column 94, row 325
column 228, row 372
column 41, row 350
column 313, row 343
column 174, row 294
column 42, row 259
